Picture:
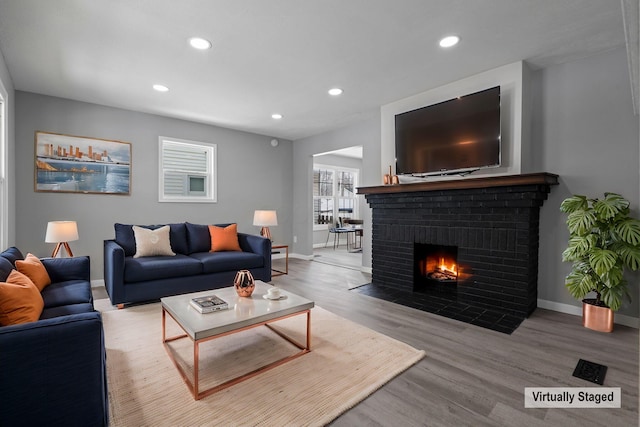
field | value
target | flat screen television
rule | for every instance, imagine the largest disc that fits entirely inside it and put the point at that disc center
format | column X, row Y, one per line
column 460, row 135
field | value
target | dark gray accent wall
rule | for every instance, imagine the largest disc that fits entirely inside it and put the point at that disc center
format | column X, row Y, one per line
column 251, row 175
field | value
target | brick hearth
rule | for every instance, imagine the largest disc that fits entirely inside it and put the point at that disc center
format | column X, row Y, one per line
column 492, row 221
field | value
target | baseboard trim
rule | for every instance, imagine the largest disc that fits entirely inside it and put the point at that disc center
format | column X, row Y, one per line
column 300, row 256
column 620, row 319
column 97, row 283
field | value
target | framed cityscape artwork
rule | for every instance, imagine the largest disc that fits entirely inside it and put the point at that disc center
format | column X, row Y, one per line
column 78, row 164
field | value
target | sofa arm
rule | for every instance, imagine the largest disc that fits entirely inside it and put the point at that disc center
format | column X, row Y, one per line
column 53, row 372
column 62, row 269
column 258, row 245
column 114, row 271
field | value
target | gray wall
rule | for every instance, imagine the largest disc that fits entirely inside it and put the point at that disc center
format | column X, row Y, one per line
column 251, row 175
column 367, row 134
column 582, row 129
column 5, row 78
column 585, row 131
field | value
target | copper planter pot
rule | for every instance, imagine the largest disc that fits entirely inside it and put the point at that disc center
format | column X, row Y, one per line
column 598, row 318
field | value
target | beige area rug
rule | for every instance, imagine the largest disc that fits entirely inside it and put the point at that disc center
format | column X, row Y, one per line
column 347, row 363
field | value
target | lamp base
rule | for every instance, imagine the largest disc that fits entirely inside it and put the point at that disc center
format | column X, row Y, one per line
column 57, row 249
column 266, row 233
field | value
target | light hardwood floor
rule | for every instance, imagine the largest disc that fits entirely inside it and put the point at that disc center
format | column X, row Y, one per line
column 473, row 376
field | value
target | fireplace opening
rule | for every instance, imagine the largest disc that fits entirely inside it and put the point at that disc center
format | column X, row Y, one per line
column 436, row 269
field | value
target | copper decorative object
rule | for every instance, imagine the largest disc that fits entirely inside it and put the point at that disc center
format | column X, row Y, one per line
column 387, row 177
column 596, row 317
column 244, row 283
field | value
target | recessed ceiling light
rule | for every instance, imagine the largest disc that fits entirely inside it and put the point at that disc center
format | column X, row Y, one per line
column 276, row 116
column 449, row 41
column 161, row 88
column 199, row 43
column 335, row 91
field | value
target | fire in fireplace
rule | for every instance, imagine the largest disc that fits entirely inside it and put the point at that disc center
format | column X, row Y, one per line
column 444, row 270
column 435, row 265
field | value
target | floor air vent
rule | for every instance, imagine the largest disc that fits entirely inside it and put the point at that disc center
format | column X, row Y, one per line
column 590, row 371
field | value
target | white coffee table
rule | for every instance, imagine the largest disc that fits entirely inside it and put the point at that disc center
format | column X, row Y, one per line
column 205, row 327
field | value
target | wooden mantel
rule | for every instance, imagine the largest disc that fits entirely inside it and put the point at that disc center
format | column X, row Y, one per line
column 460, row 184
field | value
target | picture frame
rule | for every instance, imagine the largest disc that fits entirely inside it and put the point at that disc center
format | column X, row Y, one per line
column 80, row 164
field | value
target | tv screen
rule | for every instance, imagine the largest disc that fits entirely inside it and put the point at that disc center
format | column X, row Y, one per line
column 454, row 136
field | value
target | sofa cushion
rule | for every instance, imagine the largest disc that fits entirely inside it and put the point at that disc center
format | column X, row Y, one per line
column 64, row 310
column 126, row 239
column 152, row 242
column 214, row 262
column 160, row 267
column 20, row 300
column 5, row 268
column 198, row 238
column 33, row 268
column 12, row 254
column 224, row 238
column 68, row 292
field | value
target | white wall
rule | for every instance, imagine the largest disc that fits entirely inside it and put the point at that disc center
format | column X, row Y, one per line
column 5, row 79
column 251, row 175
column 513, row 80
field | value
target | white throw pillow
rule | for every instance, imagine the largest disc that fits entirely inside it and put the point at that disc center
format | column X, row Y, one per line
column 152, row 242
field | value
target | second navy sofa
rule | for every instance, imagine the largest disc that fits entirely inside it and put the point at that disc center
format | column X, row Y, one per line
column 193, row 268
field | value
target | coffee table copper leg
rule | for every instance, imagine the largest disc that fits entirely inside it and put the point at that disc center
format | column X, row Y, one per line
column 196, row 359
column 197, row 395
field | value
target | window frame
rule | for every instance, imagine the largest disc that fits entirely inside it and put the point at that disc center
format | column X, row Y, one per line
column 211, row 181
column 4, row 167
column 335, row 196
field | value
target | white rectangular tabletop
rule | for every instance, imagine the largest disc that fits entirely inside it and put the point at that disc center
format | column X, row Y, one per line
column 242, row 311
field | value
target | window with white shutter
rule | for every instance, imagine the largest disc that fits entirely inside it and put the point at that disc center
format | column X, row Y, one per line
column 187, row 171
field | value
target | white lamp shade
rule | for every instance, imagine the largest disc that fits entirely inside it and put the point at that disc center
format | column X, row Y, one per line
column 265, row 218
column 61, row 231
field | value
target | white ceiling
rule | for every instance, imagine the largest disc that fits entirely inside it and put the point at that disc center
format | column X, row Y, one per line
column 283, row 55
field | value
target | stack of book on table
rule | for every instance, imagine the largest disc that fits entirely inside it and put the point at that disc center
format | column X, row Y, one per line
column 208, row 304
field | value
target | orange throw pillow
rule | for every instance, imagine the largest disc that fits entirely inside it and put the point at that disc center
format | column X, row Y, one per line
column 224, row 239
column 33, row 268
column 20, row 300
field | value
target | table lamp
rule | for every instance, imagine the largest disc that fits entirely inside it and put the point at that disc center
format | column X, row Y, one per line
column 61, row 232
column 265, row 219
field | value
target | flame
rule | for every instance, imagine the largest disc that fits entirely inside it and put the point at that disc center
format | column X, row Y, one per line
column 448, row 268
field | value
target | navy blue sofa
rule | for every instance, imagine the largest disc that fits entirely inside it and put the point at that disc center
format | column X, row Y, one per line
column 192, row 269
column 53, row 371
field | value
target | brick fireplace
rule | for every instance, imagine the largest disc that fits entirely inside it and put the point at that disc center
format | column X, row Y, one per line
column 490, row 224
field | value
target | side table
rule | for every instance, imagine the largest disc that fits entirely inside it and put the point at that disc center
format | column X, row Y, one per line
column 286, row 259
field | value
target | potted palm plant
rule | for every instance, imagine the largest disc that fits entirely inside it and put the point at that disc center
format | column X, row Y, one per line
column 604, row 241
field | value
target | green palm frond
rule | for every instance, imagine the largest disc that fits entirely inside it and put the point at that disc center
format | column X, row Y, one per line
column 630, row 256
column 579, row 246
column 613, row 297
column 580, row 283
column 629, row 231
column 610, row 206
column 574, row 203
column 603, row 241
column 602, row 260
column 581, row 222
column 612, row 278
